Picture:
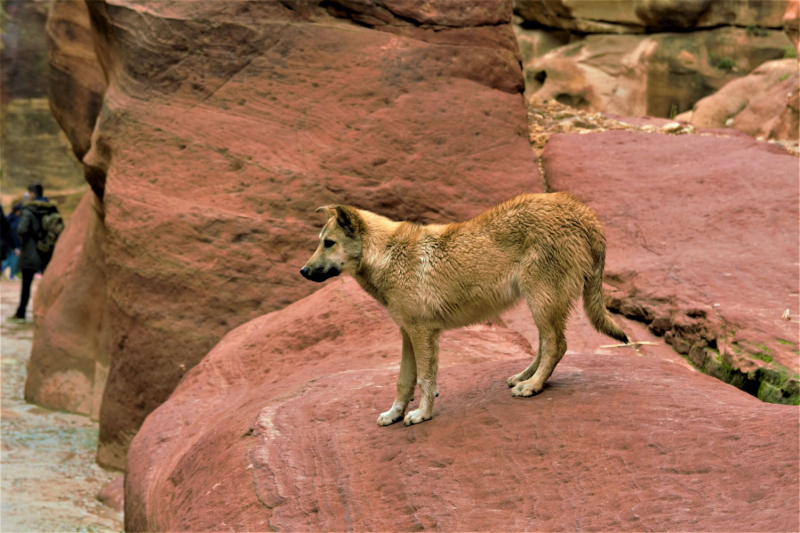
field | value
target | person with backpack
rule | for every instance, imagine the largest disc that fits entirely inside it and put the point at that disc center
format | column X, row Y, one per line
column 39, row 227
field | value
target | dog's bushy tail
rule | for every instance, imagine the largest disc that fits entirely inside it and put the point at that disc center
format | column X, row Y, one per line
column 593, row 291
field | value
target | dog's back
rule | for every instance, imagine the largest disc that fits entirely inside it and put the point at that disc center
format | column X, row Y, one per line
column 457, row 274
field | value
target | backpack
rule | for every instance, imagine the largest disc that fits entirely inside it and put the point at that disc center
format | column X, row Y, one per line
column 52, row 226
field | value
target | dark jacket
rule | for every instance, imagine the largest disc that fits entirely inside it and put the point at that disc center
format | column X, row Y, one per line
column 6, row 240
column 29, row 231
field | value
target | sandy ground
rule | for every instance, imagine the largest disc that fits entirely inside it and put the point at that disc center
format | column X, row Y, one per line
column 48, row 476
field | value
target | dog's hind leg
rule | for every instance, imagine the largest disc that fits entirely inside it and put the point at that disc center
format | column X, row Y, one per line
column 528, row 372
column 551, row 316
column 426, row 354
column 406, row 382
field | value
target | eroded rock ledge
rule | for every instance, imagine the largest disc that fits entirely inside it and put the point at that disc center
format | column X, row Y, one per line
column 275, row 429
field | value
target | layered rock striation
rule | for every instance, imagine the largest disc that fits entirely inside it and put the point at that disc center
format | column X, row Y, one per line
column 224, row 125
column 645, row 57
column 275, row 429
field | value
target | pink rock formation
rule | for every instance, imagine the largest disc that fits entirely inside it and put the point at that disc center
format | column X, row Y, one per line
column 639, row 16
column 658, row 75
column 113, row 494
column 704, row 241
column 762, row 104
column 69, row 362
column 275, row 429
column 224, row 125
column 791, row 22
column 77, row 81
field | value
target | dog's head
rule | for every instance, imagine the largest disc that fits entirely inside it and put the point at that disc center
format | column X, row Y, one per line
column 340, row 244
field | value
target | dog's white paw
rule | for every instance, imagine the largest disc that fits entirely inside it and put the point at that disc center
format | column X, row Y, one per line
column 513, row 380
column 525, row 388
column 390, row 417
column 415, row 417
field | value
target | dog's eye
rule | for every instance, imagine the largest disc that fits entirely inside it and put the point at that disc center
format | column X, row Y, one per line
column 328, row 243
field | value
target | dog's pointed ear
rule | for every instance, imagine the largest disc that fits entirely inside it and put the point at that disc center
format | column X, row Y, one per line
column 349, row 219
column 329, row 210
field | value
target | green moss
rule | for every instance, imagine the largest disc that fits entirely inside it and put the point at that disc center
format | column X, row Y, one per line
column 789, row 52
column 756, row 31
column 786, row 343
column 725, row 63
column 763, row 357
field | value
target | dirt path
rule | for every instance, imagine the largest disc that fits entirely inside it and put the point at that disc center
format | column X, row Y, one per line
column 48, row 476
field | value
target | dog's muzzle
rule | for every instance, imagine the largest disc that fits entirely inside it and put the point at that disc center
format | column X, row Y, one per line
column 318, row 275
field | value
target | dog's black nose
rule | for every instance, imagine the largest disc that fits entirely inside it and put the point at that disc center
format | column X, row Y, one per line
column 305, row 272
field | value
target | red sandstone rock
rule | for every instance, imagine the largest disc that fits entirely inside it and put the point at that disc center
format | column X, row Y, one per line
column 275, row 429
column 113, row 494
column 762, row 104
column 77, row 81
column 658, row 75
column 703, row 243
column 23, row 56
column 224, row 125
column 69, row 361
column 791, row 22
column 638, row 16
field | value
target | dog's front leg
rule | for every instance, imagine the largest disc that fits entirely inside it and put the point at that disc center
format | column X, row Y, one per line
column 406, row 382
column 426, row 353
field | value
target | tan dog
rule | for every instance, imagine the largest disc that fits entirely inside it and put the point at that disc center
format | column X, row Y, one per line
column 546, row 248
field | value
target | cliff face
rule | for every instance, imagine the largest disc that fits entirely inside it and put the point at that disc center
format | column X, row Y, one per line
column 222, row 126
column 656, row 57
column 32, row 147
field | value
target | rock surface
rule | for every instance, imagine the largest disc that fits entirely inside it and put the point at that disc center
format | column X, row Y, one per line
column 762, row 104
column 23, row 57
column 76, row 80
column 704, row 242
column 69, row 362
column 658, row 75
column 275, row 429
column 222, row 128
column 640, row 16
column 791, row 23
column 32, row 147
column 112, row 494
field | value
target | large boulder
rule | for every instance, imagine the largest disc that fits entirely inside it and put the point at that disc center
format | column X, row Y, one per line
column 791, row 23
column 76, row 79
column 640, row 16
column 23, row 56
column 762, row 104
column 224, row 125
column 69, row 360
column 32, row 147
column 703, row 245
column 275, row 430
column 658, row 75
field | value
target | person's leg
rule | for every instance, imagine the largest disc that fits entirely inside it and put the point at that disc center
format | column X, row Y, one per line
column 25, row 294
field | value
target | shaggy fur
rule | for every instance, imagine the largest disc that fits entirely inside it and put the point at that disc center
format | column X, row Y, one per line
column 547, row 248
